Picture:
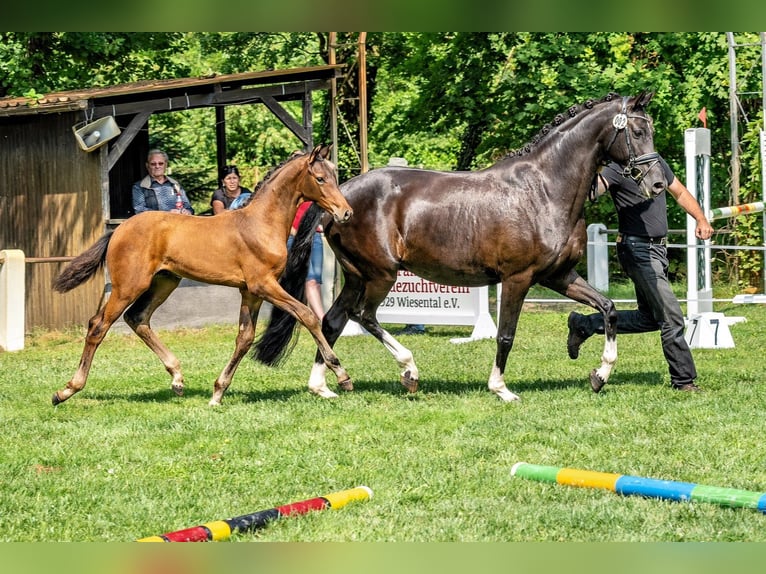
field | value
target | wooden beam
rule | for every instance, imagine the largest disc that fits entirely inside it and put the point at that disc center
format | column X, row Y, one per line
column 220, row 137
column 308, row 121
column 122, row 143
column 228, row 97
column 284, row 116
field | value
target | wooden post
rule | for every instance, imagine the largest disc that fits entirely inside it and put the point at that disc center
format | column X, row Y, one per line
column 363, row 101
column 12, row 299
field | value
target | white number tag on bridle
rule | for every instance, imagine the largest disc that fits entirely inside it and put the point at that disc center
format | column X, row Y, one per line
column 620, row 121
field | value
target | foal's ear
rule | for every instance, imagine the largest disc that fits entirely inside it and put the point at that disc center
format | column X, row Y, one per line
column 643, row 99
column 316, row 152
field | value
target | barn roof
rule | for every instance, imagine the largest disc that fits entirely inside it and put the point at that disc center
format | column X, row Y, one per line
column 209, row 90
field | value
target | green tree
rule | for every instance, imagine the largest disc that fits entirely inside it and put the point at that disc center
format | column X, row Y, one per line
column 40, row 62
column 446, row 100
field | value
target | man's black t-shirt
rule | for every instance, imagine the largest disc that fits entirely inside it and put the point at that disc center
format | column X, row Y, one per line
column 638, row 214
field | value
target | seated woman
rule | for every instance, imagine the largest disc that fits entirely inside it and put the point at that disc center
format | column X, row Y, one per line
column 231, row 194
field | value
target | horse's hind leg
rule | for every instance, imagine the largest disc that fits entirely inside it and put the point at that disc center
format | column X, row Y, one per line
column 98, row 326
column 248, row 315
column 138, row 316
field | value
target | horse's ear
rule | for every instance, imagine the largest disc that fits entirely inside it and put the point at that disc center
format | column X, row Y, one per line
column 643, row 99
column 317, row 151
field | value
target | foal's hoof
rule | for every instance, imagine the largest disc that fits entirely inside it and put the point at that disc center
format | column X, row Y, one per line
column 347, row 385
column 409, row 383
column 56, row 400
column 596, row 382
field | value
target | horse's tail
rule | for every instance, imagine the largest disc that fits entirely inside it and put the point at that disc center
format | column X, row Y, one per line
column 271, row 348
column 84, row 266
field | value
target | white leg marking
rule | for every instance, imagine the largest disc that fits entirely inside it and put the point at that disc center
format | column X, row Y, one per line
column 497, row 385
column 608, row 359
column 317, row 382
column 403, row 356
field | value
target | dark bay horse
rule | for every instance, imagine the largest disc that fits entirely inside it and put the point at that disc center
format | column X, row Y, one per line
column 518, row 222
column 148, row 254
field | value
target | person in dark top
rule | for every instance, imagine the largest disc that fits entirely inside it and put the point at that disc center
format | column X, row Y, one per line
column 642, row 252
column 231, row 194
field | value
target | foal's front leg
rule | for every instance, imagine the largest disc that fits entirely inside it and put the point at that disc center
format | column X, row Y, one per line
column 248, row 316
column 277, row 296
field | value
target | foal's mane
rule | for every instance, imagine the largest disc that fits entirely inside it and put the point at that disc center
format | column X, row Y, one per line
column 571, row 112
column 260, row 184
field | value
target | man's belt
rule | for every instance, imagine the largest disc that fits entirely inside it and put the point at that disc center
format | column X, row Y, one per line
column 622, row 237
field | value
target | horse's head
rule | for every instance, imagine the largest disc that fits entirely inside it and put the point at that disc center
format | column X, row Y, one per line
column 631, row 144
column 322, row 186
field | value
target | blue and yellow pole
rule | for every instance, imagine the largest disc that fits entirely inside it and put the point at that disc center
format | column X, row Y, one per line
column 222, row 529
column 648, row 487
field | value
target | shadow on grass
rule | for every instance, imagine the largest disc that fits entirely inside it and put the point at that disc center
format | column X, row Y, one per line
column 376, row 386
column 166, row 395
column 461, row 386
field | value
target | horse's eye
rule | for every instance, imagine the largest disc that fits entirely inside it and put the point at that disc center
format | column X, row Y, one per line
column 320, row 180
column 638, row 133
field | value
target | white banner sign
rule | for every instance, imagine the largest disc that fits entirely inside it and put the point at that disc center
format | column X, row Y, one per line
column 414, row 300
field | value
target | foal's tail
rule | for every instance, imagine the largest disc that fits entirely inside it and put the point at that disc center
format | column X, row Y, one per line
column 271, row 348
column 84, row 266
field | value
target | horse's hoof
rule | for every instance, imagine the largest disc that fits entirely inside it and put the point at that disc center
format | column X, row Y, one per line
column 596, row 382
column 324, row 392
column 507, row 396
column 347, row 385
column 409, row 383
column 56, row 400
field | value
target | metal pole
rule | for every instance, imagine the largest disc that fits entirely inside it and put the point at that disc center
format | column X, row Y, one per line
column 763, row 150
column 733, row 119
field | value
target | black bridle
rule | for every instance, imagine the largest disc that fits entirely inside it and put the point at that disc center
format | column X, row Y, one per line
column 631, row 170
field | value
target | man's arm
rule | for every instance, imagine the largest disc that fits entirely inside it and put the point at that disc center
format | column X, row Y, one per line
column 690, row 205
column 139, row 201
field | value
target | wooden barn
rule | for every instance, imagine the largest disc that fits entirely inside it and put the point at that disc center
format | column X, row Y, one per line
column 59, row 191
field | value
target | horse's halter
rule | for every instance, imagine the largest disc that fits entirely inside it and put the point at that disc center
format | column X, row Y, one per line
column 631, row 170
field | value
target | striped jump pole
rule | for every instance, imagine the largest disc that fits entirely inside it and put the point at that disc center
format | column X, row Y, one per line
column 647, row 487
column 734, row 210
column 222, row 529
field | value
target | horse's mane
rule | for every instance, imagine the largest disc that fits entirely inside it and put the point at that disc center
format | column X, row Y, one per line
column 557, row 121
column 260, row 184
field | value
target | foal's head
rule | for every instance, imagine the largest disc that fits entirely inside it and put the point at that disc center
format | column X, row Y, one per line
column 319, row 184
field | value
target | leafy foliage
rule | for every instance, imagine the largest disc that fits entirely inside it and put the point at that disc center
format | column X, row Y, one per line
column 445, row 100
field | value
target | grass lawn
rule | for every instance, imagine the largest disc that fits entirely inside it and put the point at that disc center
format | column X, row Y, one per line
column 126, row 459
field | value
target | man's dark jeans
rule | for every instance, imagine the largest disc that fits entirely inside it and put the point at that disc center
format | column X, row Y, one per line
column 658, row 309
